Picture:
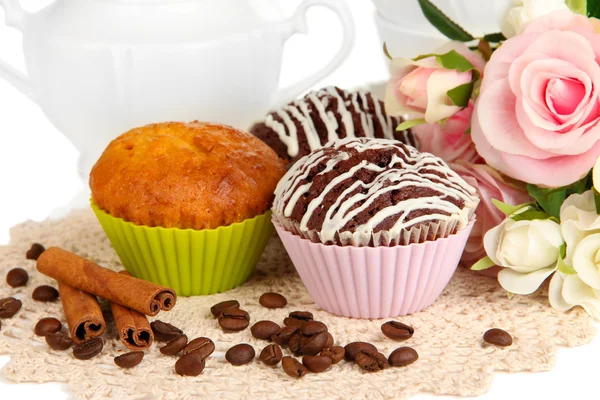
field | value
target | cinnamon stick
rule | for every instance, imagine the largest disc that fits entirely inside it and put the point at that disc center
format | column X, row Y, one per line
column 136, row 294
column 133, row 327
column 83, row 313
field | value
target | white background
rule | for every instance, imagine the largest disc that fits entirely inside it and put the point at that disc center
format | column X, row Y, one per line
column 38, row 174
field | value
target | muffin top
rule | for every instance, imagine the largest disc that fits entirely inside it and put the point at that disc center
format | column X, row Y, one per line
column 364, row 186
column 186, row 175
column 320, row 117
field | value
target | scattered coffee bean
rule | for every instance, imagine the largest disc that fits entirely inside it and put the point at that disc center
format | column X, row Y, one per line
column 293, row 367
column 129, row 360
column 164, row 332
column 329, row 341
column 264, row 330
column 175, row 346
column 272, row 300
column 240, row 354
column 89, row 349
column 312, row 345
column 234, row 320
column 282, row 338
column 352, row 349
column 190, row 365
column 217, row 309
column 498, row 337
column 296, row 318
column 336, row 353
column 402, row 357
column 9, row 307
column 294, row 343
column 58, row 341
column 35, row 251
column 317, row 364
column 371, row 361
column 17, row 277
column 397, row 331
column 45, row 294
column 271, row 355
column 46, row 326
column 311, row 328
column 202, row 345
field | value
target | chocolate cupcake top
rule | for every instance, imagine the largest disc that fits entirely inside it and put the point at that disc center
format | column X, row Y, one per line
column 320, row 117
column 356, row 188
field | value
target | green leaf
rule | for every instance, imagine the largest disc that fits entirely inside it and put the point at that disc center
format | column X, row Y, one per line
column 597, row 201
column 483, row 264
column 577, row 6
column 593, row 8
column 444, row 24
column 550, row 200
column 411, row 123
column 530, row 215
column 461, row 95
column 455, row 61
column 485, row 49
column 564, row 268
column 386, row 51
column 510, row 295
column 507, row 209
column 494, row 37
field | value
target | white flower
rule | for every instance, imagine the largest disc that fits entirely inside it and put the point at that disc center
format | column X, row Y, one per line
column 523, row 11
column 528, row 251
column 580, row 225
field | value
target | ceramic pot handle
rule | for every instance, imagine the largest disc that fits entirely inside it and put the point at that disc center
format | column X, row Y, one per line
column 297, row 24
column 15, row 17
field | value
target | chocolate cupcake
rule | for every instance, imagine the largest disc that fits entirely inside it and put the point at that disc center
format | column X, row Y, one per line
column 373, row 192
column 320, row 117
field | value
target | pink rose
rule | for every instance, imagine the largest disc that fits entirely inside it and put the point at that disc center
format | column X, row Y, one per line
column 490, row 185
column 450, row 140
column 538, row 113
column 419, row 88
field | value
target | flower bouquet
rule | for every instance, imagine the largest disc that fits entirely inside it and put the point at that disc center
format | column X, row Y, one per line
column 517, row 114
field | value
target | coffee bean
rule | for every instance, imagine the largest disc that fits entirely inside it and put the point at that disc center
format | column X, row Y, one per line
column 313, row 345
column 129, row 360
column 294, row 343
column 9, row 307
column 46, row 326
column 329, row 341
column 202, row 345
column 317, row 364
column 89, row 349
column 164, row 332
column 311, row 328
column 402, row 357
column 240, row 354
column 336, row 353
column 35, row 251
column 397, row 331
column 282, row 337
column 174, row 346
column 234, row 320
column 45, row 294
column 498, row 337
column 272, row 300
column 264, row 330
column 352, row 349
column 271, row 355
column 293, row 367
column 190, row 365
column 217, row 309
column 371, row 361
column 296, row 318
column 58, row 341
column 17, row 277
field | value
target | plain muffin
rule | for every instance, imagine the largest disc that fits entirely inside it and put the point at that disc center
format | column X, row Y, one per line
column 186, row 175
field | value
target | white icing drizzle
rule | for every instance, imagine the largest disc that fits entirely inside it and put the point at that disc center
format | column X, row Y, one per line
column 398, row 174
column 349, row 104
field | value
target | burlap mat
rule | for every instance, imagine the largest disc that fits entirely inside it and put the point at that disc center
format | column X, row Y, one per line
column 448, row 335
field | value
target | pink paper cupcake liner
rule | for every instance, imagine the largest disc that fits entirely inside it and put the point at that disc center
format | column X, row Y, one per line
column 375, row 282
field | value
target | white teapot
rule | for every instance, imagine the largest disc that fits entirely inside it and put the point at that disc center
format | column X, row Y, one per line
column 98, row 68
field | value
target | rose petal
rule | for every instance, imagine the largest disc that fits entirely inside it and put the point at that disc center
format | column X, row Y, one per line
column 491, row 241
column 519, row 283
column 584, row 260
column 503, row 59
column 438, row 85
column 555, row 295
column 576, row 292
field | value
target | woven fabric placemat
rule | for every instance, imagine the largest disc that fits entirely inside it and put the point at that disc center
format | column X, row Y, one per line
column 453, row 359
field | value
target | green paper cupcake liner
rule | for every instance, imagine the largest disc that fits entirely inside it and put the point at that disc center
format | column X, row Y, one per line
column 191, row 262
